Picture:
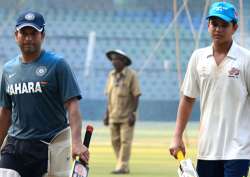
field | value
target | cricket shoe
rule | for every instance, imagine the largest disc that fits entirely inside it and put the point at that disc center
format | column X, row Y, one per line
column 120, row 172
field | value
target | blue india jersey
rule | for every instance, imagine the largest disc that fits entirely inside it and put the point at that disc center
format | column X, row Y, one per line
column 35, row 93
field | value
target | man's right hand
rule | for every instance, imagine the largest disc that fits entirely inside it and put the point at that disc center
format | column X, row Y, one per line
column 106, row 121
column 177, row 145
column 81, row 151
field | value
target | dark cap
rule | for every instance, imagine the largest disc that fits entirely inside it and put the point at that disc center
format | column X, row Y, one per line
column 113, row 53
column 32, row 19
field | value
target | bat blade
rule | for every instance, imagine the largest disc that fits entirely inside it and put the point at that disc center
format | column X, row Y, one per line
column 186, row 168
column 81, row 169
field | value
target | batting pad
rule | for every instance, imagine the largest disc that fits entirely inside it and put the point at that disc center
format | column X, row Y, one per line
column 4, row 143
column 4, row 172
column 59, row 155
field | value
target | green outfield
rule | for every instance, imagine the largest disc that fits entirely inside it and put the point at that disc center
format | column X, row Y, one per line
column 150, row 156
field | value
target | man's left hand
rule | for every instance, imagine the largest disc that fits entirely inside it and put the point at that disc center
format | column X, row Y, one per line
column 131, row 119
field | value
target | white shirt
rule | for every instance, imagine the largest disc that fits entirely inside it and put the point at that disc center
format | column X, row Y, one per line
column 225, row 102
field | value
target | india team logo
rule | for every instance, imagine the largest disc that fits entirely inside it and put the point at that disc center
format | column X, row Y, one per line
column 41, row 70
column 30, row 16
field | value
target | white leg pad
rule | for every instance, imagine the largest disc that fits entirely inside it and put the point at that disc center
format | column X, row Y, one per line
column 4, row 172
column 4, row 142
column 59, row 159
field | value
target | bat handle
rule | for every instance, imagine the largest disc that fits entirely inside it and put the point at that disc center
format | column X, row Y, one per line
column 180, row 155
column 88, row 135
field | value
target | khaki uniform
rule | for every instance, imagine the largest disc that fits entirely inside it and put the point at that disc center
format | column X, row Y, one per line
column 120, row 89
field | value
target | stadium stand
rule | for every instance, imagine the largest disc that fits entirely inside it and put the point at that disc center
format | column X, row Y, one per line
column 134, row 26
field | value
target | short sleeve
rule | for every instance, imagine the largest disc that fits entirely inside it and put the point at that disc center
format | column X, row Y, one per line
column 67, row 84
column 106, row 91
column 135, row 87
column 5, row 99
column 190, row 86
column 247, row 75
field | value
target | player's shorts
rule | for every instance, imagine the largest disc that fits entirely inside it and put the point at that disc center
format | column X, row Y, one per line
column 222, row 168
column 28, row 157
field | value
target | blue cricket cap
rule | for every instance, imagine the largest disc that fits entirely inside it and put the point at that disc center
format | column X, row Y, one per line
column 32, row 19
column 224, row 10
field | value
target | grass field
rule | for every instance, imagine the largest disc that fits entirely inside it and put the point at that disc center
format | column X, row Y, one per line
column 150, row 156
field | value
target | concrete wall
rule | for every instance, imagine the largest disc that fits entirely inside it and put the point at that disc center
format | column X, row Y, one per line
column 148, row 110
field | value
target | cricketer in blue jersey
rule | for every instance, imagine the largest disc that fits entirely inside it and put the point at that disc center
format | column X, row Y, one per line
column 38, row 90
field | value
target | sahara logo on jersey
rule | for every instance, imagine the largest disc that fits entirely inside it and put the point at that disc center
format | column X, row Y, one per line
column 21, row 88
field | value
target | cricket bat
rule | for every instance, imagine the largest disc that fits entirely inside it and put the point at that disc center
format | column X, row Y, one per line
column 186, row 168
column 80, row 168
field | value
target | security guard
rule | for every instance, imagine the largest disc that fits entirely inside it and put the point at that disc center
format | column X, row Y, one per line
column 123, row 94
